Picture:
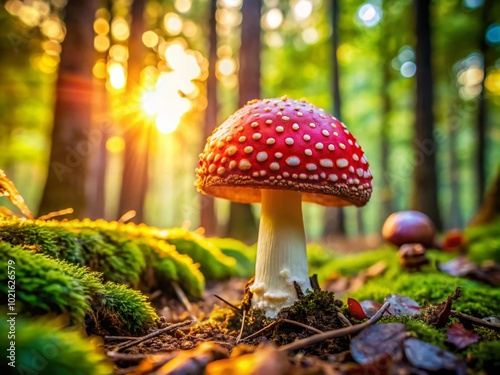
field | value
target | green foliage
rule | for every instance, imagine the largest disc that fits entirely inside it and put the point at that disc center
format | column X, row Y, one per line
column 45, row 346
column 213, row 263
column 484, row 355
column 243, row 254
column 169, row 265
column 318, row 256
column 484, row 242
column 44, row 285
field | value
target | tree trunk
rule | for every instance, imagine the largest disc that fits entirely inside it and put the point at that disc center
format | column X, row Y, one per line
column 490, row 209
column 481, row 146
column 425, row 184
column 242, row 224
column 334, row 220
column 208, row 219
column 72, row 141
column 137, row 133
column 456, row 218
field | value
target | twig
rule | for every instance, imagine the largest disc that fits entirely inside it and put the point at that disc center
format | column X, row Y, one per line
column 343, row 319
column 184, row 300
column 119, row 338
column 125, row 357
column 238, row 338
column 477, row 321
column 51, row 215
column 300, row 325
column 228, row 303
column 272, row 324
column 127, row 216
column 299, row 344
column 151, row 335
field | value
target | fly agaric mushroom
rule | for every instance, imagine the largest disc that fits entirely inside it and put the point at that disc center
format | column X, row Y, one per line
column 281, row 152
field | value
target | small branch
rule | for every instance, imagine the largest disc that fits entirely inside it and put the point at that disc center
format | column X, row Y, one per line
column 184, row 300
column 477, row 321
column 51, row 215
column 343, row 319
column 320, row 337
column 120, row 338
column 238, row 338
column 300, row 325
column 272, row 324
column 173, row 327
column 228, row 303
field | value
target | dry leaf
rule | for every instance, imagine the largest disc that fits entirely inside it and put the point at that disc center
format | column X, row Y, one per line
column 461, row 337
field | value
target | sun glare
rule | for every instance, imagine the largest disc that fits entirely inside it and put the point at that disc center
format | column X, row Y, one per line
column 117, row 76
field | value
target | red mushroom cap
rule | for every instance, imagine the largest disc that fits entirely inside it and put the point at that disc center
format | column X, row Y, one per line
column 409, row 227
column 284, row 144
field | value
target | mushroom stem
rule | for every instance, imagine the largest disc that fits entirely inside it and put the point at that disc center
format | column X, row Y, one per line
column 281, row 252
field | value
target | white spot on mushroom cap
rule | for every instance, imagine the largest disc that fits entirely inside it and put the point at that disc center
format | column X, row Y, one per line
column 261, row 156
column 256, row 136
column 359, row 171
column 355, row 157
column 342, row 163
column 278, row 155
column 289, row 141
column 342, row 146
column 269, row 121
column 274, row 166
column 319, row 146
column 333, row 177
column 325, row 133
column 221, row 170
column 311, row 166
column 212, row 168
column 254, row 124
column 244, row 164
column 242, row 139
column 280, row 129
column 270, row 141
column 327, row 163
column 295, row 126
column 232, row 164
column 231, row 150
column 293, row 161
column 306, row 137
column 331, row 147
column 308, row 152
column 248, row 149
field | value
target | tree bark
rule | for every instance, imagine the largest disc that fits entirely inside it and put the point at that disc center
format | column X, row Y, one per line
column 208, row 219
column 425, row 182
column 490, row 209
column 242, row 223
column 137, row 133
column 72, row 141
column 334, row 218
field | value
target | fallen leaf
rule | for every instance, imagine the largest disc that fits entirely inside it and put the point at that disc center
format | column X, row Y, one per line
column 265, row 360
column 460, row 336
column 356, row 309
column 460, row 266
column 377, row 340
column 402, row 305
column 432, row 358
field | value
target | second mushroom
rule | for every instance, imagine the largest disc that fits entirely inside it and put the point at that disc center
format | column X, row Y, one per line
column 281, row 152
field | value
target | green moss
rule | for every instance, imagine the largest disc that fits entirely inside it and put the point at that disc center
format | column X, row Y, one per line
column 484, row 242
column 57, row 242
column 243, row 254
column 43, row 346
column 318, row 256
column 112, row 254
column 44, row 285
column 122, row 311
column 484, row 356
column 419, row 329
column 213, row 263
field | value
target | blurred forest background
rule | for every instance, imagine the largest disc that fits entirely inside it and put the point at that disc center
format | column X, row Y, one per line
column 105, row 105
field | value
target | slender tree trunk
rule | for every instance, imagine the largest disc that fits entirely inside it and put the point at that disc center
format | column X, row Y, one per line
column 387, row 193
column 208, row 219
column 490, row 209
column 242, row 223
column 456, row 219
column 334, row 220
column 425, row 183
column 137, row 133
column 72, row 144
column 481, row 146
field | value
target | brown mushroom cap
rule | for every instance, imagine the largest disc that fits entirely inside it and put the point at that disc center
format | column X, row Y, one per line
column 284, row 144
